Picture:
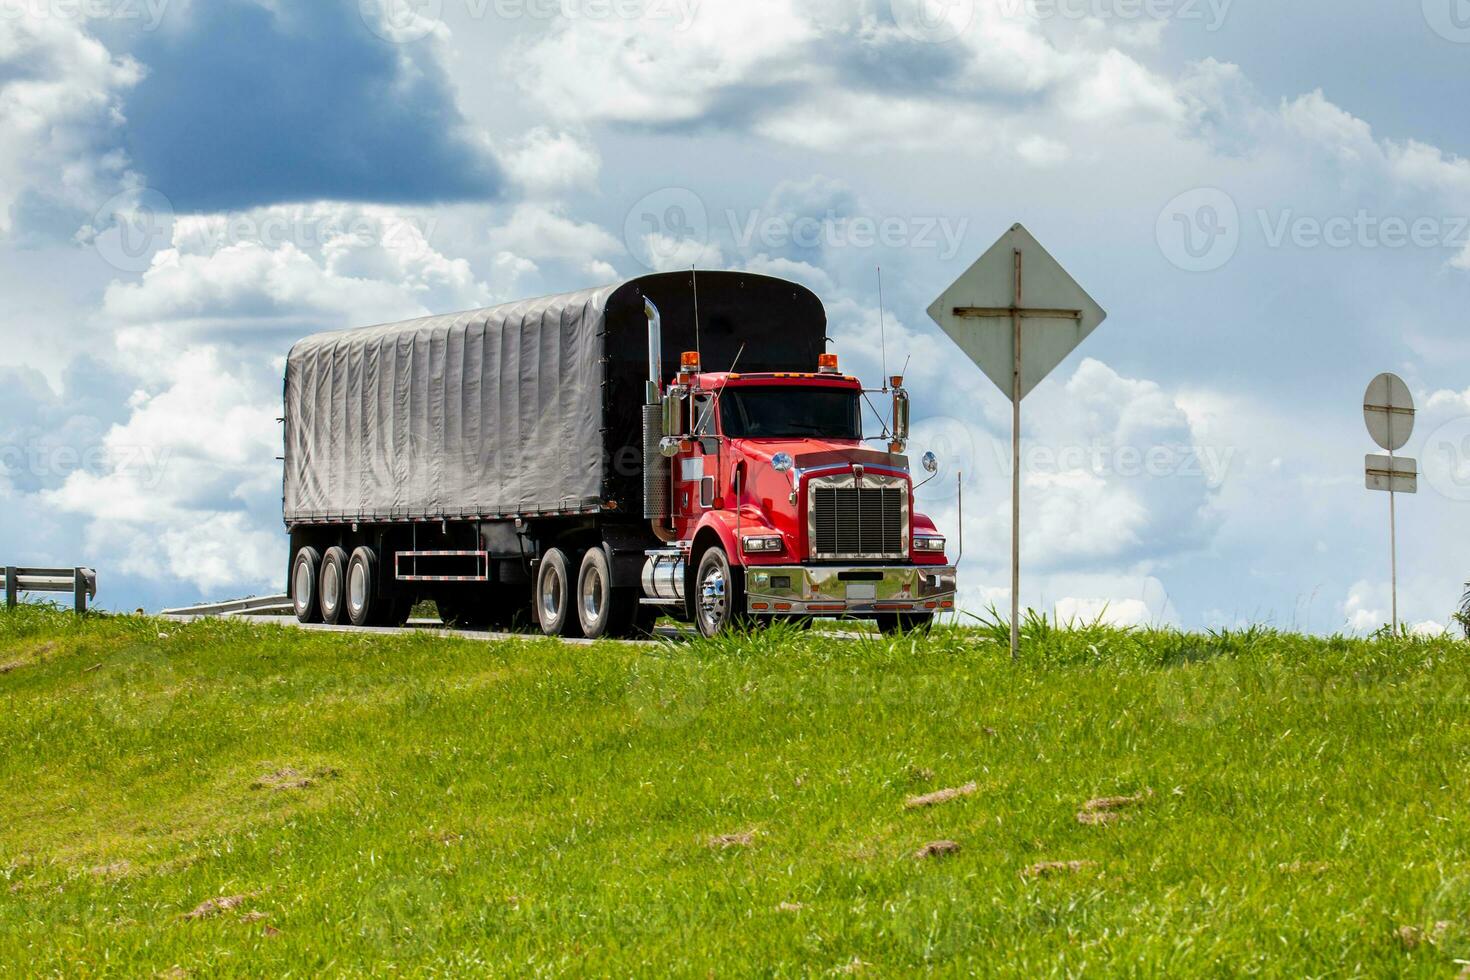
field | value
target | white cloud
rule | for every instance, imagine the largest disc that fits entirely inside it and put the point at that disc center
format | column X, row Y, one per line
column 544, row 162
column 1072, row 611
column 544, row 232
column 60, row 116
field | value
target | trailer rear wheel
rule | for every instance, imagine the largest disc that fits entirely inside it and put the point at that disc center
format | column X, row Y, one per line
column 304, row 572
column 555, row 589
column 897, row 623
column 364, row 608
column 603, row 609
column 333, row 587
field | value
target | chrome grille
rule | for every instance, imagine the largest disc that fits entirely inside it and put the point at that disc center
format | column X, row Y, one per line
column 848, row 521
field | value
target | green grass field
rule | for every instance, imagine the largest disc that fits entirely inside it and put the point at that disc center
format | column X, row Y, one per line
column 221, row 798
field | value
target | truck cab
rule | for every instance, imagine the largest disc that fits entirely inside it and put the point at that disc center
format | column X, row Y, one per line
column 778, row 508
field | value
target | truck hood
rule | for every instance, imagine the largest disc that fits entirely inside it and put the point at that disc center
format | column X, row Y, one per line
column 810, row 453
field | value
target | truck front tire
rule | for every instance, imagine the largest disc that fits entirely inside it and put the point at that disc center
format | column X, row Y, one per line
column 719, row 594
column 555, row 595
column 304, row 576
column 333, row 588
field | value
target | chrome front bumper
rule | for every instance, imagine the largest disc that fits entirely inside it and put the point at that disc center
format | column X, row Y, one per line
column 849, row 590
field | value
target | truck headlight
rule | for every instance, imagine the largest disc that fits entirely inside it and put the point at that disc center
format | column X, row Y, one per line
column 931, row 543
column 763, row 544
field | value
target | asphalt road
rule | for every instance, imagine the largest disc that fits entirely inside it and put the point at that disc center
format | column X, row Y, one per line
column 663, row 634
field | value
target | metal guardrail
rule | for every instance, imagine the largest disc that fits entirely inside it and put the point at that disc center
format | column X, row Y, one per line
column 271, row 605
column 80, row 582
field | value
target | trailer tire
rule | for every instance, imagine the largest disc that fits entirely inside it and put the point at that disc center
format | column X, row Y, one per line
column 360, row 590
column 896, row 624
column 332, row 590
column 555, row 592
column 719, row 594
column 305, row 572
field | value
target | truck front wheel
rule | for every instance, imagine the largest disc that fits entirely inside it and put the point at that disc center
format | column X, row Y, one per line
column 555, row 605
column 719, row 596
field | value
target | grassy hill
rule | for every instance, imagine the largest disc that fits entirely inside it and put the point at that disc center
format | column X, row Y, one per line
column 225, row 798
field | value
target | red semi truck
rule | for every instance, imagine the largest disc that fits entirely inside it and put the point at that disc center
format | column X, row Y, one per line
column 568, row 461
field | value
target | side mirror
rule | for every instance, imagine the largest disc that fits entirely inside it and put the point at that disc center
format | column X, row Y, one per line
column 930, row 463
column 900, row 419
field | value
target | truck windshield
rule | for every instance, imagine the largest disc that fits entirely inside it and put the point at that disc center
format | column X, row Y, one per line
column 787, row 412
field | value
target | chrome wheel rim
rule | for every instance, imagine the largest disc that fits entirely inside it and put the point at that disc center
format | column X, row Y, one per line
column 592, row 599
column 303, row 585
column 712, row 598
column 331, row 584
column 551, row 595
column 357, row 588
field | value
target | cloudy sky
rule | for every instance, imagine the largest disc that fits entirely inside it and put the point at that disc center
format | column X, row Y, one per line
column 1271, row 200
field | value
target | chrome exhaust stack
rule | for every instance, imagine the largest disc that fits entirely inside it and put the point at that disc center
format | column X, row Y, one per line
column 656, row 472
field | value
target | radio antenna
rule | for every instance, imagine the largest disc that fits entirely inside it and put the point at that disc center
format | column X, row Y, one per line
column 882, row 329
column 697, row 348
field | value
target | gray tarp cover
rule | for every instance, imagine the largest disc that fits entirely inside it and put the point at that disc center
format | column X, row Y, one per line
column 491, row 412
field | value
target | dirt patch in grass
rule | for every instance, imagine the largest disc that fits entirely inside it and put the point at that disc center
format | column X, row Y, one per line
column 1104, row 810
column 1412, row 937
column 1047, row 869
column 937, row 848
column 790, row 907
column 116, row 869
column 11, row 665
column 1312, row 868
column 940, row 796
column 724, row 841
column 211, row 907
column 289, row 778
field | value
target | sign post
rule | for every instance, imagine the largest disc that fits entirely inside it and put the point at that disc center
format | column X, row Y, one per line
column 986, row 313
column 1388, row 409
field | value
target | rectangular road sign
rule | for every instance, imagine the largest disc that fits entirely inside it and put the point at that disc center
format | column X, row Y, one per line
column 1392, row 474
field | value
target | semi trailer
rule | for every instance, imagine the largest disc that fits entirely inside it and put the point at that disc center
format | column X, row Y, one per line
column 679, row 444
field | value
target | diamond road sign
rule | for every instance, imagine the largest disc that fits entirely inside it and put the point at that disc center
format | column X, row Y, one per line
column 1017, row 283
